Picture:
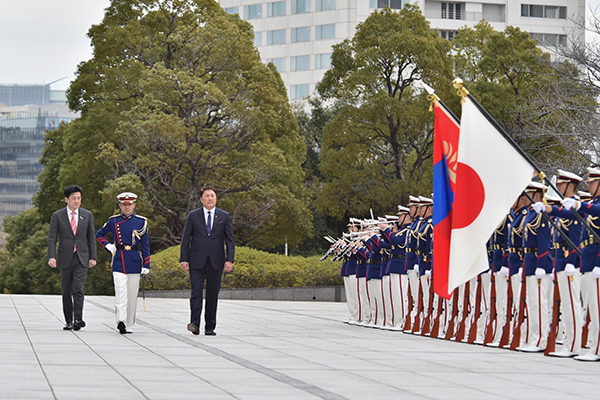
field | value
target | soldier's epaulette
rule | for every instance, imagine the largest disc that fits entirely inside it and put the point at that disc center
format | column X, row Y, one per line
column 139, row 216
column 114, row 216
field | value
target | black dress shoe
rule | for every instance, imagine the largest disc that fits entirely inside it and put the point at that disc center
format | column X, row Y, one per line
column 77, row 325
column 210, row 333
column 68, row 327
column 193, row 328
column 121, row 327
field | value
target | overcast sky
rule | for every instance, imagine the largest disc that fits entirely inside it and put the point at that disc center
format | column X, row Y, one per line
column 44, row 40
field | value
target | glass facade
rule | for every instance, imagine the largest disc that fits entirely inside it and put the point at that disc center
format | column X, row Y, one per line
column 22, row 95
column 21, row 144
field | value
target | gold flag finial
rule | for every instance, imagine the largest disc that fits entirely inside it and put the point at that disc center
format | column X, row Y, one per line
column 461, row 91
column 432, row 100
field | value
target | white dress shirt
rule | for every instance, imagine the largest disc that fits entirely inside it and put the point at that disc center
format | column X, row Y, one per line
column 70, row 213
column 212, row 217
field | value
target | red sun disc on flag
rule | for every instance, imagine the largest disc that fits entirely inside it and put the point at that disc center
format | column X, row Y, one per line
column 468, row 198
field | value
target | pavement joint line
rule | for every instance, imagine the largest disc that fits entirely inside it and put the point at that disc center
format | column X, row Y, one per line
column 98, row 355
column 278, row 376
column 33, row 348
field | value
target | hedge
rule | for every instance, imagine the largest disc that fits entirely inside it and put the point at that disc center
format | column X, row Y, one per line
column 252, row 269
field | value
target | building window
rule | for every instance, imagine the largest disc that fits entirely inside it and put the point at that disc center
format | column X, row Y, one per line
column 541, row 11
column 232, row 10
column 258, row 39
column 393, row 4
column 278, row 62
column 452, row 10
column 300, row 63
column 276, row 37
column 325, row 32
column 550, row 39
column 276, row 9
column 323, row 61
column 301, row 34
column 448, row 34
column 253, row 12
column 300, row 6
column 323, row 5
column 299, row 91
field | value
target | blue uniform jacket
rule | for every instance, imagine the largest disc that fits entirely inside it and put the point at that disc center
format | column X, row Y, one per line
column 130, row 235
column 411, row 243
column 589, row 254
column 361, row 263
column 570, row 227
column 374, row 258
column 425, row 245
column 515, row 241
column 498, row 242
column 397, row 263
column 536, row 236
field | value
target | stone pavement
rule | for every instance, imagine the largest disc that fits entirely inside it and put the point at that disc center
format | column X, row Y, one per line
column 263, row 350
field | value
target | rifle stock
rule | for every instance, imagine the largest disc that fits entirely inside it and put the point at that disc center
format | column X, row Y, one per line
column 473, row 329
column 516, row 340
column 586, row 330
column 427, row 322
column 505, row 338
column 553, row 332
column 417, row 323
column 407, row 322
column 450, row 327
column 493, row 316
column 460, row 332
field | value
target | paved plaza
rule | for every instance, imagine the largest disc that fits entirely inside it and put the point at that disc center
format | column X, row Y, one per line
column 263, row 350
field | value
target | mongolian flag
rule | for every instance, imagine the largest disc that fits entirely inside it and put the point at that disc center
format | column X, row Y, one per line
column 445, row 164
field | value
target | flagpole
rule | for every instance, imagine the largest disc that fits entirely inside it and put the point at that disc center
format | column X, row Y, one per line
column 458, row 84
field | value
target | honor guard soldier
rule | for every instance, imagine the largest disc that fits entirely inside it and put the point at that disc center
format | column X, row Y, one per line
column 501, row 275
column 537, row 264
column 396, row 237
column 425, row 251
column 515, row 257
column 590, row 286
column 411, row 256
column 130, row 257
column 390, row 222
column 364, row 308
column 376, row 258
column 349, row 274
column 567, row 265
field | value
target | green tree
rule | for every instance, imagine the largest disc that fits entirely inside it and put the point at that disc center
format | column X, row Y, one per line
column 540, row 102
column 378, row 148
column 176, row 96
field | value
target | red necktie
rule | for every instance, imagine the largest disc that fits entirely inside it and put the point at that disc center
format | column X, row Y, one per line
column 74, row 227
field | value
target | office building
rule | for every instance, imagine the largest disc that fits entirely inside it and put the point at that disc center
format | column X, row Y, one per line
column 297, row 35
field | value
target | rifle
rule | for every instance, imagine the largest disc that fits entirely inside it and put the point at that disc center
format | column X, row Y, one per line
column 450, row 328
column 417, row 323
column 493, row 316
column 407, row 322
column 553, row 332
column 516, row 340
column 460, row 333
column 473, row 329
column 435, row 330
column 427, row 322
column 504, row 339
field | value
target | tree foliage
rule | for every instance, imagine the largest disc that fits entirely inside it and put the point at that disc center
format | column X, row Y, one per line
column 378, row 147
column 175, row 97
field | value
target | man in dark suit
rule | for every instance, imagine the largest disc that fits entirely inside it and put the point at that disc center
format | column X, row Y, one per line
column 206, row 232
column 73, row 228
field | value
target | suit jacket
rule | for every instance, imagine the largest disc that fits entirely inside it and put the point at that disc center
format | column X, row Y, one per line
column 61, row 231
column 197, row 245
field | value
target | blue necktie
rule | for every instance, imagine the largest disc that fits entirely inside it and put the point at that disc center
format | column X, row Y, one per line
column 208, row 223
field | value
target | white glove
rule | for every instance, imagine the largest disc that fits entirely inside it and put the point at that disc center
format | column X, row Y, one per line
column 504, row 271
column 540, row 273
column 570, row 203
column 520, row 273
column 111, row 247
column 596, row 272
column 145, row 271
column 570, row 269
column 416, row 268
column 538, row 207
column 428, row 273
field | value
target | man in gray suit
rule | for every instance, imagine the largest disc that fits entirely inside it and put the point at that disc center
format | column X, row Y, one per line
column 73, row 228
column 206, row 232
